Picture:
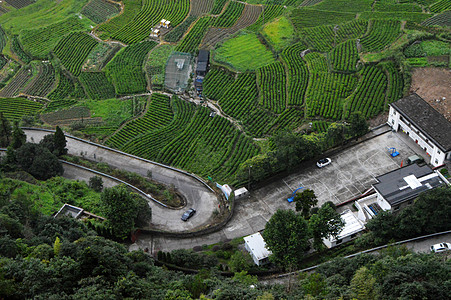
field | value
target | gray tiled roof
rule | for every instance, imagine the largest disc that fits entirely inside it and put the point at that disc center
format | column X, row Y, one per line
column 396, row 190
column 424, row 117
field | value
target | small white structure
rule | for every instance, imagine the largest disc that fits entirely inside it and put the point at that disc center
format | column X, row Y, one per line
column 350, row 230
column 241, row 193
column 226, row 189
column 179, row 63
column 424, row 125
column 154, row 32
column 165, row 23
column 256, row 246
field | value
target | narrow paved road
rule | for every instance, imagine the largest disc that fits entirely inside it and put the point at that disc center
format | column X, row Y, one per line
column 196, row 194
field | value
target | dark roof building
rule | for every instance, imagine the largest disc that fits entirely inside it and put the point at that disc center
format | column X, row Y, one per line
column 202, row 62
column 426, row 126
column 405, row 184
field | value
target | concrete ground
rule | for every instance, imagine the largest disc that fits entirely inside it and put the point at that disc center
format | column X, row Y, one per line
column 352, row 172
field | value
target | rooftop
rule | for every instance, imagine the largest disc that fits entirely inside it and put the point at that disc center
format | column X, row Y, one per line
column 258, row 246
column 429, row 121
column 352, row 224
column 406, row 183
column 203, row 56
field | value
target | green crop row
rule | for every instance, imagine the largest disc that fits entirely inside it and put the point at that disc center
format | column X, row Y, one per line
column 152, row 142
column 175, row 34
column 316, row 62
column 218, row 6
column 440, row 6
column 395, row 81
column 43, row 82
column 305, row 17
column 324, row 38
column 297, row 73
column 216, row 83
column 326, row 93
column 73, row 49
column 192, row 40
column 67, row 88
column 126, row 69
column 240, row 98
column 15, row 108
column 288, row 120
column 443, row 19
column 273, row 87
column 230, row 15
column 158, row 115
column 368, row 97
column 270, row 12
column 381, row 34
column 17, row 83
column 344, row 57
column 131, row 8
column 99, row 11
column 97, row 85
column 151, row 12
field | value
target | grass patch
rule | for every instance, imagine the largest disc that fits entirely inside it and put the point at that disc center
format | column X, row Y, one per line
column 244, row 52
column 156, row 64
column 279, row 33
column 435, row 48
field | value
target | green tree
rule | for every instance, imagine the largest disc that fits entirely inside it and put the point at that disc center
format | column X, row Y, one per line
column 305, row 201
column 96, row 183
column 315, row 285
column 57, row 247
column 18, row 136
column 143, row 211
column 5, row 131
column 48, row 141
column 244, row 278
column 38, row 161
column 120, row 210
column 286, row 235
column 335, row 134
column 363, row 284
column 327, row 222
column 60, row 142
column 358, row 124
column 238, row 262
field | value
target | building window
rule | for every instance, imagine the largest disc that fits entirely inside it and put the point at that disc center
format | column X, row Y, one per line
column 339, row 241
column 396, row 208
column 436, row 161
column 438, row 152
column 393, row 122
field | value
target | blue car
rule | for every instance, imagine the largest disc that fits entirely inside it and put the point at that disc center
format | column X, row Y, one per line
column 188, row 214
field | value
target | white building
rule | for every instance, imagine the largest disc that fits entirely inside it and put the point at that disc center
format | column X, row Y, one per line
column 398, row 189
column 241, row 192
column 256, row 246
column 352, row 226
column 423, row 124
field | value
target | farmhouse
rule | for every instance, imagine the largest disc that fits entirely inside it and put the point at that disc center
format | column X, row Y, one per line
column 397, row 189
column 423, row 124
column 256, row 246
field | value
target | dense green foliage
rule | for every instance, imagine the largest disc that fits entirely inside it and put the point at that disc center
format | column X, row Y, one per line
column 192, row 40
column 16, row 108
column 99, row 11
column 273, row 83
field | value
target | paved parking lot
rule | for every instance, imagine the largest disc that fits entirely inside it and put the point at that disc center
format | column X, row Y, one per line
column 351, row 173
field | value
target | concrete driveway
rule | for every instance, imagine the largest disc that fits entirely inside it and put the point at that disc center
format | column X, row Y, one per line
column 351, row 173
column 197, row 195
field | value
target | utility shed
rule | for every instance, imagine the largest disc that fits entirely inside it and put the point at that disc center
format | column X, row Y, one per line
column 202, row 62
column 256, row 246
column 241, row 192
column 352, row 227
column 423, row 124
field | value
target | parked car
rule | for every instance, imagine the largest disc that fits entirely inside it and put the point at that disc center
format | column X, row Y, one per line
column 441, row 247
column 323, row 162
column 188, row 214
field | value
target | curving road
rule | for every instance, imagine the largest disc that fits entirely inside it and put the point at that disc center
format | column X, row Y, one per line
column 196, row 194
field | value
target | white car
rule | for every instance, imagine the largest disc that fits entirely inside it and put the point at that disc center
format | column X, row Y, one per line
column 441, row 247
column 323, row 162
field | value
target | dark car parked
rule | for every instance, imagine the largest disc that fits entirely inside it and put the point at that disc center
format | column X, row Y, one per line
column 188, row 214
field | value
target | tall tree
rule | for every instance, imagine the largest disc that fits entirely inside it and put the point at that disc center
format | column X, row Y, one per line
column 363, row 284
column 358, row 124
column 18, row 136
column 327, row 222
column 60, row 142
column 120, row 210
column 305, row 201
column 5, row 131
column 286, row 235
column 38, row 161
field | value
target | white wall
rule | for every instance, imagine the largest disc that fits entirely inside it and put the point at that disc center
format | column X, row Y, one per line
column 394, row 120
